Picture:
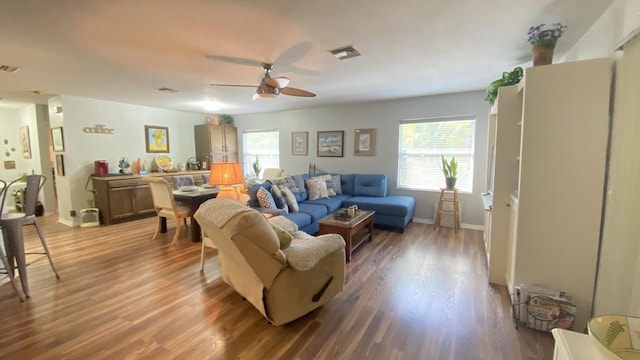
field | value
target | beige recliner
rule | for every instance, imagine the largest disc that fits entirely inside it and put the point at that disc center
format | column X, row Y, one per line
column 283, row 284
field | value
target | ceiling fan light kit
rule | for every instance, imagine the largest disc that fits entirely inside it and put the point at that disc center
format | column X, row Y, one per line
column 270, row 87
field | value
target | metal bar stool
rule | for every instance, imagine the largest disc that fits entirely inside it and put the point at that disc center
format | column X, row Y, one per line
column 12, row 224
column 3, row 257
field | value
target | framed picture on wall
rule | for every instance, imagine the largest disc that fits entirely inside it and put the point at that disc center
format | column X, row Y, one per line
column 364, row 142
column 25, row 142
column 300, row 143
column 60, row 164
column 157, row 138
column 57, row 139
column 331, row 143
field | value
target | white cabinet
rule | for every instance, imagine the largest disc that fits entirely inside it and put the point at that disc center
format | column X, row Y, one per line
column 551, row 158
column 505, row 143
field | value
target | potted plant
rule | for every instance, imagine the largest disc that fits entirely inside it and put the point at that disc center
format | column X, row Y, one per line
column 450, row 171
column 225, row 119
column 508, row 78
column 544, row 41
column 256, row 167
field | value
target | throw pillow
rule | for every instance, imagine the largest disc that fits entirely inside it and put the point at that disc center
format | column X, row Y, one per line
column 317, row 189
column 335, row 183
column 290, row 199
column 331, row 187
column 279, row 199
column 265, row 199
column 283, row 236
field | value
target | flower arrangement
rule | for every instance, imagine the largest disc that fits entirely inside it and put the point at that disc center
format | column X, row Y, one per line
column 539, row 35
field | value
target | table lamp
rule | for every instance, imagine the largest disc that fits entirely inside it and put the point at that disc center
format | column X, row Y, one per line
column 226, row 174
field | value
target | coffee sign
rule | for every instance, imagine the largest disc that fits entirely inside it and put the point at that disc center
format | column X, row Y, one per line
column 98, row 129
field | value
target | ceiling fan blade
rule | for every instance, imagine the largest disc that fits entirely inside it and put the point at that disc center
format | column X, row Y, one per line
column 235, row 60
column 277, row 82
column 296, row 92
column 233, row 85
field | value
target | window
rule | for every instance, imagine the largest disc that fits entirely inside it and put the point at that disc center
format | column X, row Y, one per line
column 424, row 141
column 263, row 144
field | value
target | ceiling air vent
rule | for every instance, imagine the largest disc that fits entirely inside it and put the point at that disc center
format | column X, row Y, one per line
column 344, row 53
column 9, row 68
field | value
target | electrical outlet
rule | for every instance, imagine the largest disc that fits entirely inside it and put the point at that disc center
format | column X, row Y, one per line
column 72, row 213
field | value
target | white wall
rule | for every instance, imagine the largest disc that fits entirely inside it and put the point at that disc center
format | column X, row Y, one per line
column 128, row 140
column 11, row 120
column 385, row 117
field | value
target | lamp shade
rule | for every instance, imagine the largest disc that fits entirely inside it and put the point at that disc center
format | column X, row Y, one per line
column 225, row 174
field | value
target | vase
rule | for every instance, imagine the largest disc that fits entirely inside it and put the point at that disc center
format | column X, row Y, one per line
column 451, row 182
column 542, row 54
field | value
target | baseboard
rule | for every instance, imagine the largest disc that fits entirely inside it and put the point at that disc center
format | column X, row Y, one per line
column 65, row 222
column 463, row 225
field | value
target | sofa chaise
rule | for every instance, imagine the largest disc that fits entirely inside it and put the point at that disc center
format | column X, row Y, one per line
column 367, row 191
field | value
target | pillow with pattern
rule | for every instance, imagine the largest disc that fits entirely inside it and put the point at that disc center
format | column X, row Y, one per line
column 265, row 199
column 281, row 203
column 317, row 188
column 332, row 188
column 290, row 199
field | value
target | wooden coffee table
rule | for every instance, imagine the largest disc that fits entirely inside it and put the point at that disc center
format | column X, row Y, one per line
column 354, row 231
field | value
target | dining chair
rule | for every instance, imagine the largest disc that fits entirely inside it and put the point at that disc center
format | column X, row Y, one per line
column 3, row 256
column 272, row 173
column 165, row 205
column 182, row 180
column 12, row 223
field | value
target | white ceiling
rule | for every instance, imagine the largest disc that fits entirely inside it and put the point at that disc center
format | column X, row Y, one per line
column 123, row 50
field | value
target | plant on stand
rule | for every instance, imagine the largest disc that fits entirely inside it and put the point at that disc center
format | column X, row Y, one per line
column 544, row 42
column 450, row 171
column 256, row 167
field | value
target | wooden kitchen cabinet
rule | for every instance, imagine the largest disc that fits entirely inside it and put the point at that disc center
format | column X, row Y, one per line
column 216, row 143
column 122, row 199
column 127, row 197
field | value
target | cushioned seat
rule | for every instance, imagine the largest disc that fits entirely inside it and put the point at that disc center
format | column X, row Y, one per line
column 317, row 212
column 395, row 211
column 282, row 281
column 331, row 204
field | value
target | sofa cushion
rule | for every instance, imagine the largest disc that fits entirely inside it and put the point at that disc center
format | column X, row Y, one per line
column 289, row 198
column 317, row 212
column 265, row 199
column 370, row 185
column 302, row 220
column 347, row 183
column 253, row 193
column 332, row 203
column 389, row 205
column 301, row 194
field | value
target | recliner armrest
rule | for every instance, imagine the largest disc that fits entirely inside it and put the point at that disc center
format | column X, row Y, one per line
column 303, row 255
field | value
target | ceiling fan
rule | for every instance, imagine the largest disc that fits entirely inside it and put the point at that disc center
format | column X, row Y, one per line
column 271, row 87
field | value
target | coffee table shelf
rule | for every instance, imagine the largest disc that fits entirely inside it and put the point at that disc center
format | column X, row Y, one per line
column 354, row 231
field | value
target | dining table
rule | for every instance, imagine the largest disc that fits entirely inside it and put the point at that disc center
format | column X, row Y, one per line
column 192, row 198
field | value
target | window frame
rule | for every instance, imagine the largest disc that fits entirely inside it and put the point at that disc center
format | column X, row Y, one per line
column 248, row 159
column 471, row 161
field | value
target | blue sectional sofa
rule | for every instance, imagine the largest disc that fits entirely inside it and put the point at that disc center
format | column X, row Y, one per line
column 367, row 191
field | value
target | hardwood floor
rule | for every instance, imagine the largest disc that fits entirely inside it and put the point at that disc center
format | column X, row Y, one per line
column 418, row 295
